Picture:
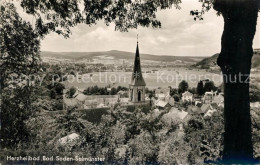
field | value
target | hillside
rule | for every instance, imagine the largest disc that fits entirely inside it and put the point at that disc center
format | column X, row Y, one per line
column 114, row 54
column 206, row 63
column 210, row 62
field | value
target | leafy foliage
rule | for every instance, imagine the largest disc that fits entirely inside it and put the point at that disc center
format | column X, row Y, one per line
column 209, row 86
column 254, row 93
column 71, row 92
column 136, row 137
column 200, row 88
column 19, row 46
column 183, row 86
column 58, row 16
column 19, row 57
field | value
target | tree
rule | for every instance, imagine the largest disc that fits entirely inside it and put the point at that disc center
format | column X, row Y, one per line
column 254, row 93
column 19, row 59
column 176, row 97
column 209, row 86
column 71, row 92
column 173, row 91
column 69, row 122
column 183, row 86
column 58, row 16
column 240, row 18
column 113, row 91
column 192, row 90
column 200, row 88
column 53, row 94
column 59, row 87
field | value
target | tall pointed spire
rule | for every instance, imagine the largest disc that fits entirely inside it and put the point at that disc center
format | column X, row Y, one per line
column 137, row 77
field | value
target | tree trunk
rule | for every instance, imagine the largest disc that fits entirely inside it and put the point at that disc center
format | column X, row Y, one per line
column 240, row 19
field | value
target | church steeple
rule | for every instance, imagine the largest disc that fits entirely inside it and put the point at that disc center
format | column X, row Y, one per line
column 137, row 84
column 137, row 77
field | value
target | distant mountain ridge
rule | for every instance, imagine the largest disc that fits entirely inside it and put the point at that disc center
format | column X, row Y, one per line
column 118, row 55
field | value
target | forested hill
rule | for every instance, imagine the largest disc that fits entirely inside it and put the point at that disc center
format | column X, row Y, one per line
column 206, row 63
column 115, row 54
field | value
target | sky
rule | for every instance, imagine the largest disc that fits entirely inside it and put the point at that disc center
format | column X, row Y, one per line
column 180, row 35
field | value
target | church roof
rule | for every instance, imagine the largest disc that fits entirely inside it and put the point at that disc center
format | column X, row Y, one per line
column 137, row 77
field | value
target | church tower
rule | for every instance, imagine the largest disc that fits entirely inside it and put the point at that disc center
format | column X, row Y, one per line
column 137, row 85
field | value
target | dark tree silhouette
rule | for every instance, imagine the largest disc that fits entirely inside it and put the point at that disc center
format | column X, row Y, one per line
column 209, row 86
column 71, row 92
column 240, row 18
column 200, row 88
column 183, row 86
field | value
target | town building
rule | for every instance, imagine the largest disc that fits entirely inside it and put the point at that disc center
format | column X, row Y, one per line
column 162, row 93
column 208, row 97
column 137, row 85
column 162, row 105
column 218, row 99
column 187, row 97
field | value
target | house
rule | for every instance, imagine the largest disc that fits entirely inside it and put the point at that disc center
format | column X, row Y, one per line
column 171, row 101
column 187, row 97
column 162, row 93
column 122, row 93
column 218, row 99
column 205, row 107
column 210, row 112
column 70, row 139
column 97, row 101
column 154, row 101
column 109, row 89
column 101, row 105
column 168, row 97
column 165, row 91
column 147, row 98
column 176, row 115
column 160, row 96
column 89, row 104
column 162, row 105
column 198, row 103
column 69, row 103
column 208, row 97
column 81, row 98
column 214, row 105
column 221, row 105
column 194, row 110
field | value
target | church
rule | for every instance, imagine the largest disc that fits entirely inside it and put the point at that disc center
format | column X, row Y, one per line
column 137, row 84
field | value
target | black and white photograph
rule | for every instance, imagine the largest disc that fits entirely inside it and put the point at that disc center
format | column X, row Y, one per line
column 129, row 82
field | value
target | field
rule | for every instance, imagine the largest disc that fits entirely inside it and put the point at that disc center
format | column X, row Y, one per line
column 154, row 78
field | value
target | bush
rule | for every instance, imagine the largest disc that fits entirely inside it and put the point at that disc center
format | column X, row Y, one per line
column 254, row 92
column 58, row 105
column 176, row 98
column 183, row 86
column 71, row 92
